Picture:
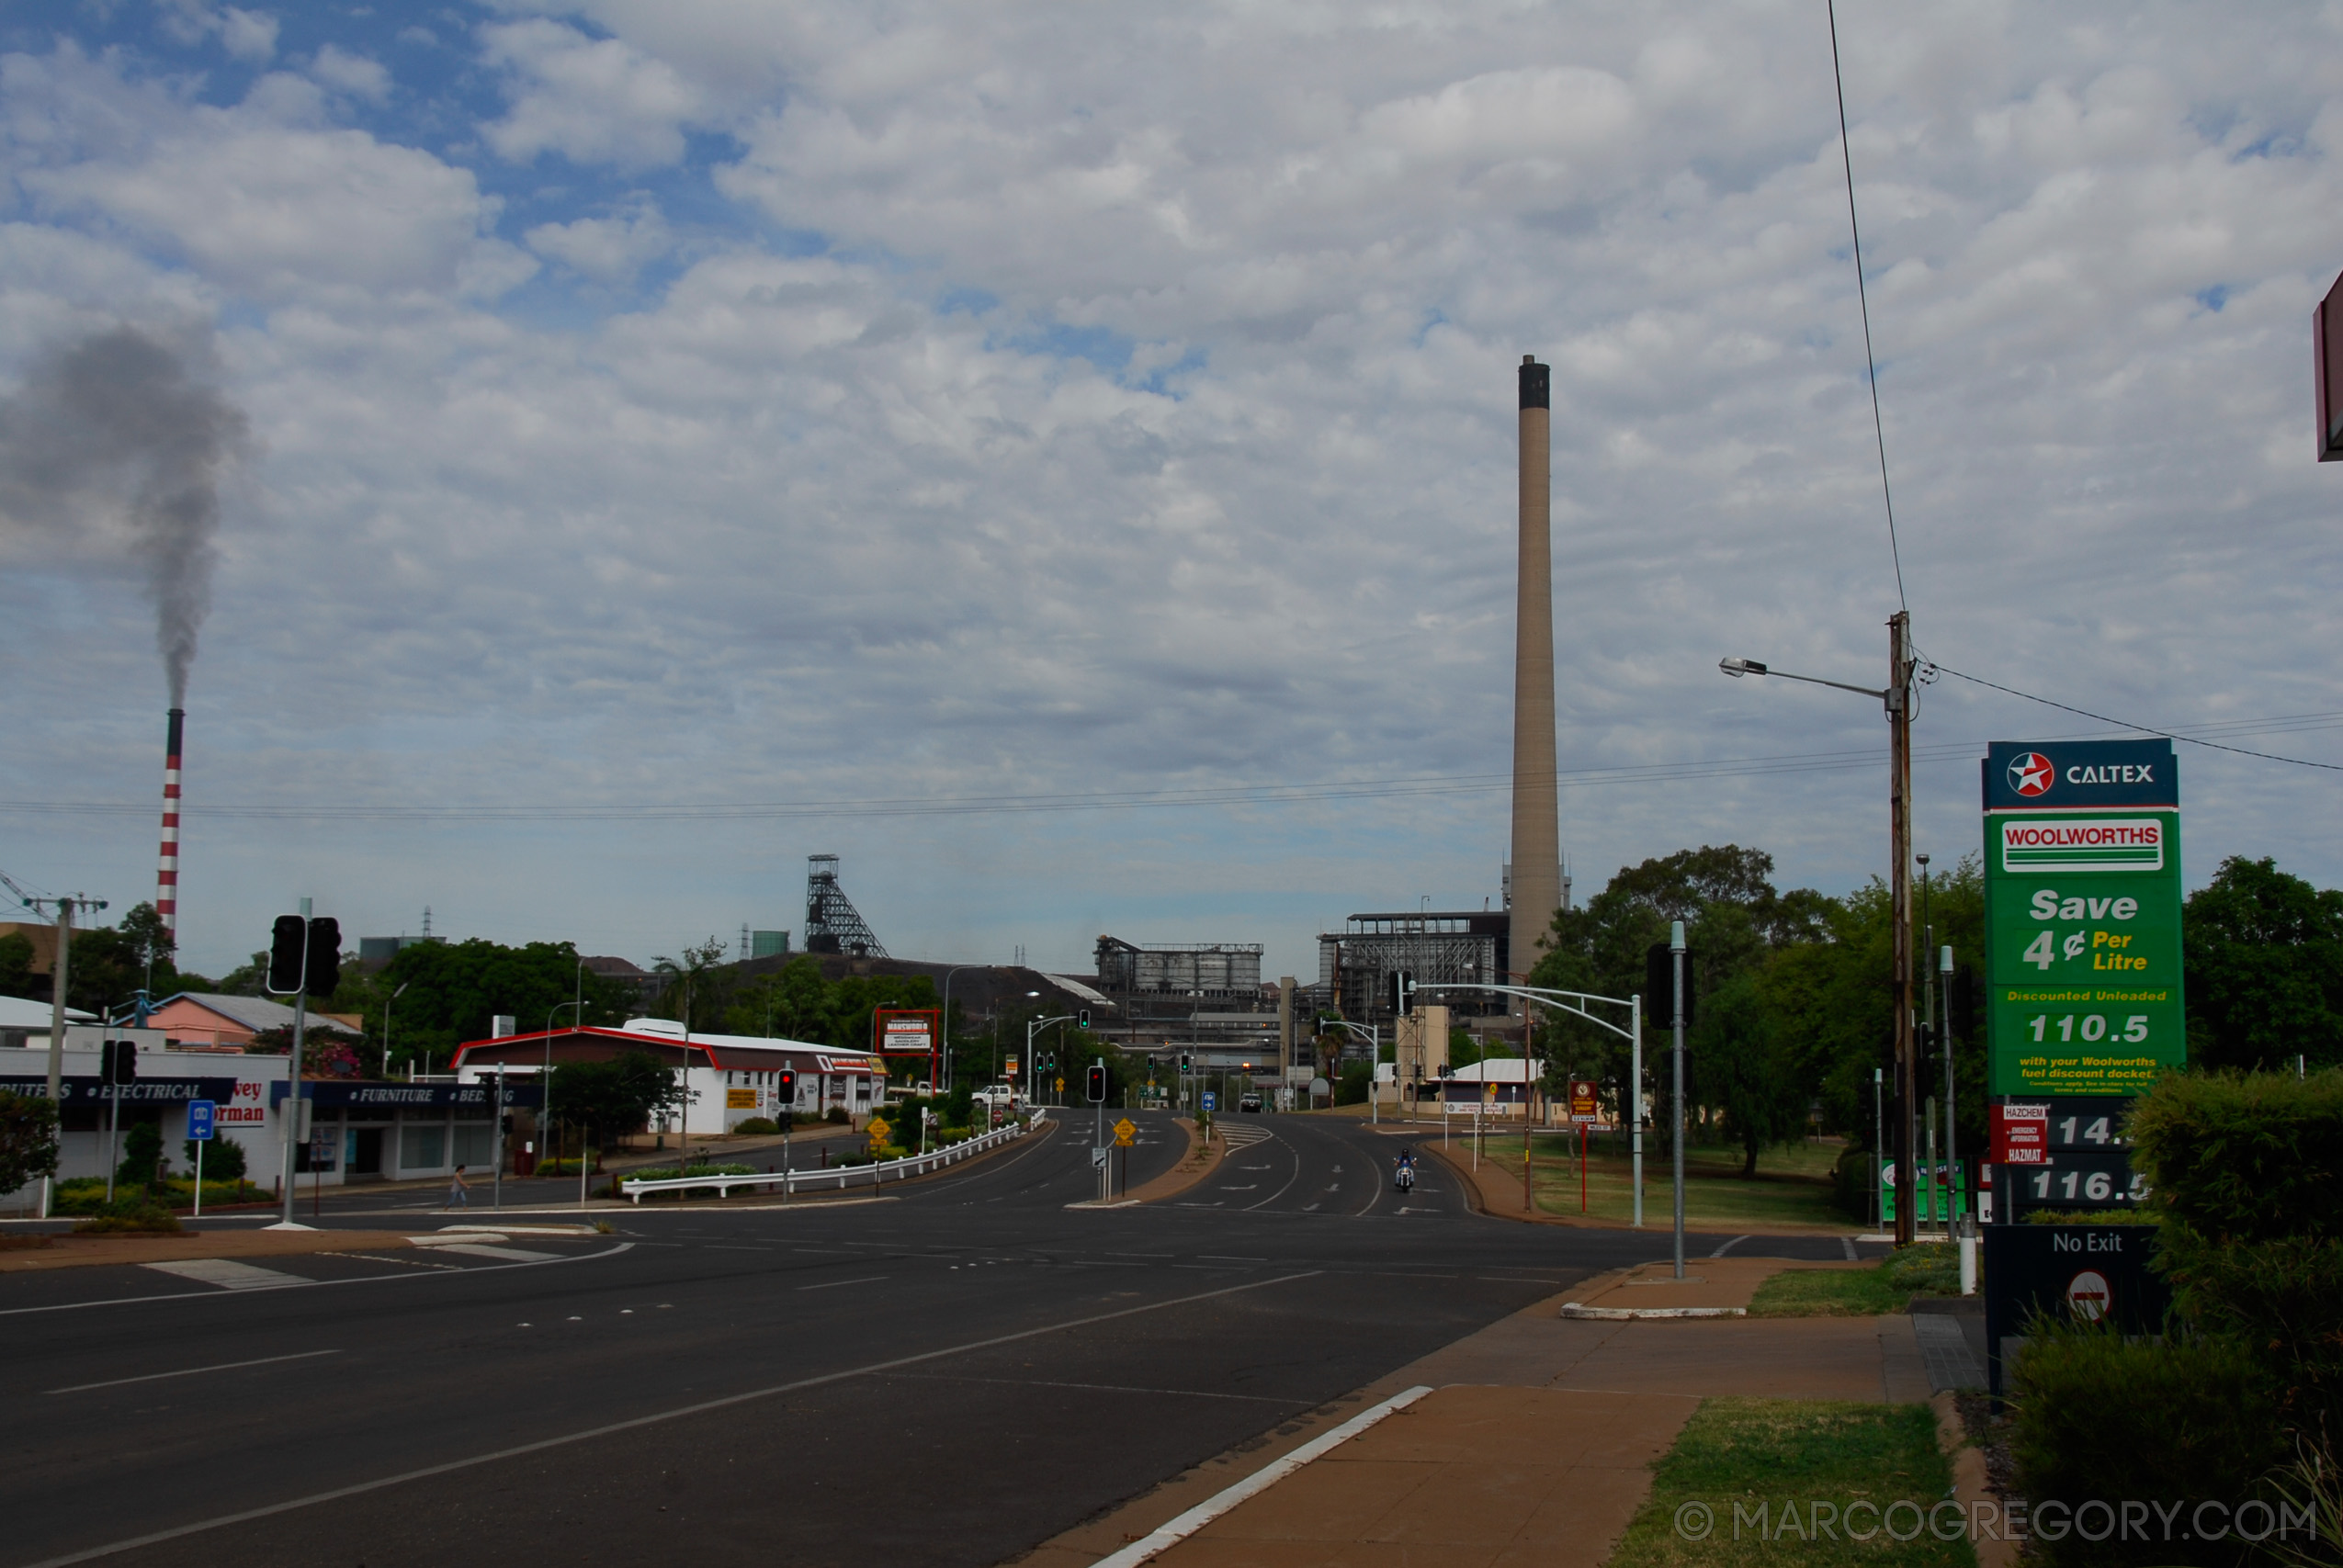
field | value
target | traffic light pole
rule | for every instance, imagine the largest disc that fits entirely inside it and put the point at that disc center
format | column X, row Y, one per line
column 294, row 1078
column 496, row 1178
column 1676, row 1099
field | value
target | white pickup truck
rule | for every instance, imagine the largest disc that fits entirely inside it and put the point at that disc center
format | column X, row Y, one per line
column 998, row 1097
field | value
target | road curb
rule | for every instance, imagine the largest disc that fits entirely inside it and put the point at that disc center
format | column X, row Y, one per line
column 1632, row 1314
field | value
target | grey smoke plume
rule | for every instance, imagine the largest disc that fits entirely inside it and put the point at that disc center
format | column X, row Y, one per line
column 112, row 450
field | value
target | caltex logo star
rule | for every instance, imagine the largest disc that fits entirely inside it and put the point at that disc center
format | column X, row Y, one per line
column 2031, row 774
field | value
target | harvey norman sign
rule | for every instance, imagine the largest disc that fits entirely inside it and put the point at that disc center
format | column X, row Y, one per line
column 2082, row 885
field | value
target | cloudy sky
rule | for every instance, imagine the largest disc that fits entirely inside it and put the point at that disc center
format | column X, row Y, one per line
column 1059, row 457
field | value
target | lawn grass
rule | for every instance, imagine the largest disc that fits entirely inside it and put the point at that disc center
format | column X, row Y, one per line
column 1792, row 1186
column 1812, row 1457
column 1927, row 1270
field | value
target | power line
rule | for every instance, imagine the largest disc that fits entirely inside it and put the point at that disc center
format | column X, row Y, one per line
column 1863, row 298
column 2147, row 729
column 1406, row 787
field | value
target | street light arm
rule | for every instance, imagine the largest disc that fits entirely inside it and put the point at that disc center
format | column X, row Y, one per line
column 1736, row 668
column 1549, row 997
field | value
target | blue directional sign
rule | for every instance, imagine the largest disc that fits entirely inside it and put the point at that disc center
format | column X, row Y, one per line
column 200, row 1115
column 1211, row 1100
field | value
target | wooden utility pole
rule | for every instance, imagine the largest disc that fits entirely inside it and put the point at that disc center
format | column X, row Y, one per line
column 1899, row 790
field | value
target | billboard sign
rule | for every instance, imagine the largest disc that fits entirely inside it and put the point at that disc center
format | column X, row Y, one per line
column 2082, row 892
column 905, row 1032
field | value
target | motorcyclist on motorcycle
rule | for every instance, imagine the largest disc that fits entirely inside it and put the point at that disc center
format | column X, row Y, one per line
column 1404, row 1176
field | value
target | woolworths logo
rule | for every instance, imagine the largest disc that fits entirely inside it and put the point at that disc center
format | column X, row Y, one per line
column 2117, row 844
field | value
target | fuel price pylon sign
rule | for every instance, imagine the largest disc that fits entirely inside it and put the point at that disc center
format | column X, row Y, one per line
column 2082, row 898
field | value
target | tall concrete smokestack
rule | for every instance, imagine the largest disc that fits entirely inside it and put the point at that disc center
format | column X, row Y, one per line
column 1536, row 880
column 166, row 874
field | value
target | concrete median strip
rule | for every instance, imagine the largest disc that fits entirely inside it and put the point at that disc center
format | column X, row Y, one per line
column 1175, row 1530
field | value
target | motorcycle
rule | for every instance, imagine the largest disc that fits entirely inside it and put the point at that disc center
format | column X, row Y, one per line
column 1405, row 1176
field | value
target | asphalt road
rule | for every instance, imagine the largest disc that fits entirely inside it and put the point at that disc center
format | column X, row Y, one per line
column 947, row 1376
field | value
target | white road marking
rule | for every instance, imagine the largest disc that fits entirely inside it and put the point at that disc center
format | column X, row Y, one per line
column 1173, row 1531
column 191, row 1371
column 634, row 1423
column 502, row 1253
column 227, row 1274
column 833, row 1284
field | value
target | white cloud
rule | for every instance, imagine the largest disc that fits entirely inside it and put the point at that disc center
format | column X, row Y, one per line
column 262, row 198
column 353, row 73
column 594, row 101
column 245, row 35
column 894, row 519
column 608, row 250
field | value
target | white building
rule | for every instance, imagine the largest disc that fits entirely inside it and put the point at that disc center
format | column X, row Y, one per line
column 727, row 1077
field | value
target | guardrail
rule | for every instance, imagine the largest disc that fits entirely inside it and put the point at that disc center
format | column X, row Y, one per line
column 838, row 1178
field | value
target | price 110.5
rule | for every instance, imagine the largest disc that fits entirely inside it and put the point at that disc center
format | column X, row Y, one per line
column 2089, row 1026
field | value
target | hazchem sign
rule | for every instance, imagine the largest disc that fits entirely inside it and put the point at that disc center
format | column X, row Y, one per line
column 2082, row 885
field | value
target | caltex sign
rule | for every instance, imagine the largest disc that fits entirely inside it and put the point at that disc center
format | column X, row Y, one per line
column 2082, row 883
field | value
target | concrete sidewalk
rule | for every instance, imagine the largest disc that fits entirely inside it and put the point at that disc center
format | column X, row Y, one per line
column 1534, row 1447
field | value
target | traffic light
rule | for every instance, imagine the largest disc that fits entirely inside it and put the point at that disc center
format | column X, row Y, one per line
column 787, row 1082
column 1660, row 986
column 304, row 955
column 1185, row 1061
column 505, row 1124
column 118, row 1062
column 1082, row 1019
column 287, row 952
column 325, row 955
column 1094, row 1083
column 1402, row 982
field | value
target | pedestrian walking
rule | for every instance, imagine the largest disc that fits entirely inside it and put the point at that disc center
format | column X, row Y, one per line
column 458, row 1197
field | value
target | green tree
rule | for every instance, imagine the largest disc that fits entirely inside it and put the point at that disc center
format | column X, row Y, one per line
column 106, row 970
column 28, row 1138
column 152, row 944
column 615, row 1098
column 454, row 989
column 142, row 1163
column 1743, row 1070
column 688, row 998
column 16, row 964
column 2263, row 956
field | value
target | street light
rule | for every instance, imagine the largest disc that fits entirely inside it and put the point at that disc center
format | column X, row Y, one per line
column 1374, row 1065
column 385, row 1025
column 1896, row 698
column 946, row 1043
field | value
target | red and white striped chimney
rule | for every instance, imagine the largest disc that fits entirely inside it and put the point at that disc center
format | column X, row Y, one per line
column 166, row 874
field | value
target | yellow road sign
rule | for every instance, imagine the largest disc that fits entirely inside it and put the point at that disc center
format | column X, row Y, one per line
column 1123, row 1130
column 877, row 1132
column 1061, row 1086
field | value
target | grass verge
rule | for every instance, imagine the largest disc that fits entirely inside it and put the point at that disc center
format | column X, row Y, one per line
column 1792, row 1188
column 1749, row 1467
column 1930, row 1269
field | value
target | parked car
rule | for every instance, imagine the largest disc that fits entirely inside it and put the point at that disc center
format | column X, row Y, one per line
column 998, row 1097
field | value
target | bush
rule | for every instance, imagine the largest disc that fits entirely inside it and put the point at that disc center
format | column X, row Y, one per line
column 663, row 1173
column 837, row 1117
column 141, row 1156
column 2247, row 1172
column 756, row 1127
column 141, row 1215
column 1852, row 1186
column 2244, row 1157
column 2099, row 1416
column 1351, row 1088
column 223, row 1159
